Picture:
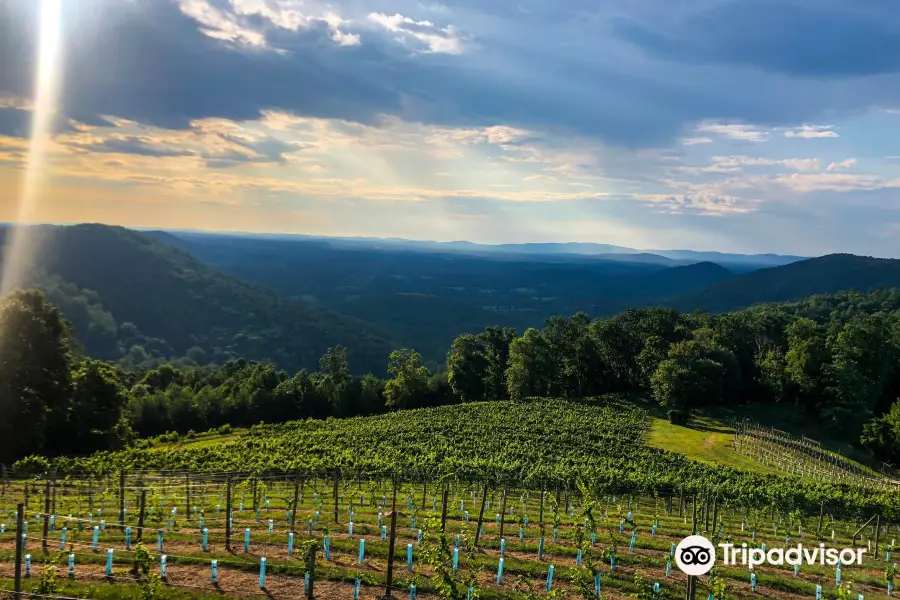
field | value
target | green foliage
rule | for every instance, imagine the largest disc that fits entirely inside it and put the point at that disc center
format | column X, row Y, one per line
column 142, row 301
column 408, row 378
column 645, row 589
column 533, row 442
column 437, row 552
column 717, row 584
column 47, row 584
column 35, row 376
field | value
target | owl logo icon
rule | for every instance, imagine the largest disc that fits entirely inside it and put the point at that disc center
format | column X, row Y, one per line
column 695, row 555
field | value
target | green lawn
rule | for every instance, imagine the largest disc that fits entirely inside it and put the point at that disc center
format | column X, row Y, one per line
column 708, row 437
column 704, row 440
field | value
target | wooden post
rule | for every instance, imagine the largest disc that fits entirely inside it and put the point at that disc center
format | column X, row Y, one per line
column 228, row 513
column 541, row 517
column 335, row 496
column 821, row 514
column 877, row 533
column 122, row 498
column 312, row 570
column 694, row 504
column 706, row 513
column 424, row 490
column 481, row 514
column 715, row 513
column 255, row 481
column 46, row 517
column 294, row 520
column 503, row 514
column 187, row 495
column 444, row 507
column 140, row 534
column 390, row 567
column 20, row 529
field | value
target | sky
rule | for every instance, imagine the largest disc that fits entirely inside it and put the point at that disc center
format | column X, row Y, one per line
column 730, row 125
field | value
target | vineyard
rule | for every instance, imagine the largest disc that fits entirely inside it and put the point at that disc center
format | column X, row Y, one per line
column 800, row 456
column 524, row 444
column 492, row 500
column 324, row 535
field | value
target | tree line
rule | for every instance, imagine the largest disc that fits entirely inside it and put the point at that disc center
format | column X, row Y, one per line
column 832, row 358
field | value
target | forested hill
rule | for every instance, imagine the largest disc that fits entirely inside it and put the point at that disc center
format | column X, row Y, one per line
column 132, row 298
column 823, row 275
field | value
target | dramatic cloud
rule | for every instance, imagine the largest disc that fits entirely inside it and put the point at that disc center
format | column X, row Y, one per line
column 435, row 39
column 635, row 118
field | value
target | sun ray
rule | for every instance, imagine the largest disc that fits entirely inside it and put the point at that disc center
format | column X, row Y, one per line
column 47, row 84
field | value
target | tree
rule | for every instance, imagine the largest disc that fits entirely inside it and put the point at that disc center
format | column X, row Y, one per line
column 97, row 402
column 696, row 372
column 409, row 379
column 805, row 359
column 529, row 366
column 496, row 343
column 334, row 363
column 882, row 435
column 857, row 372
column 34, row 374
column 467, row 368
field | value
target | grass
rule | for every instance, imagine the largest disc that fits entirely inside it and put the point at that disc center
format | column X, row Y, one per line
column 204, row 440
column 709, row 439
column 704, row 440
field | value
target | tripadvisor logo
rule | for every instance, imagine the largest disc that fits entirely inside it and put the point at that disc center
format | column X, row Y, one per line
column 696, row 555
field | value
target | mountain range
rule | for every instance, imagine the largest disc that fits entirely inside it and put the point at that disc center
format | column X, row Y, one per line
column 145, row 296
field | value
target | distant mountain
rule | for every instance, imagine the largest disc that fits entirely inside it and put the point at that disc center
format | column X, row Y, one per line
column 530, row 250
column 425, row 299
column 823, row 275
column 169, row 304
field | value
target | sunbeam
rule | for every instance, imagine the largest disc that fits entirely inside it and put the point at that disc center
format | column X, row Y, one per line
column 47, row 83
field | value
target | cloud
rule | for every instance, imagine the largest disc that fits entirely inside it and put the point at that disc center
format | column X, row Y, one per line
column 844, row 164
column 812, row 131
column 333, row 61
column 436, row 39
column 732, row 164
column 230, row 22
column 734, row 131
column 696, row 140
column 792, row 37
